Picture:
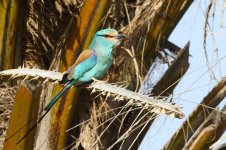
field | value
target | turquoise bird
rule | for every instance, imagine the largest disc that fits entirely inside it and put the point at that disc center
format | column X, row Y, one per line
column 91, row 63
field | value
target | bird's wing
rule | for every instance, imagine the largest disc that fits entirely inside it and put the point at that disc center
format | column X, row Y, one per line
column 86, row 60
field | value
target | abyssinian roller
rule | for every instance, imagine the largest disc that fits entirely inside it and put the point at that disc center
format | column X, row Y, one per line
column 93, row 62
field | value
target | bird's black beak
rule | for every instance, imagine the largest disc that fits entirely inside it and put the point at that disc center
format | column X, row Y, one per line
column 120, row 36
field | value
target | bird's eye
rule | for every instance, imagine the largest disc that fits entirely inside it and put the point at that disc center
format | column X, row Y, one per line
column 106, row 36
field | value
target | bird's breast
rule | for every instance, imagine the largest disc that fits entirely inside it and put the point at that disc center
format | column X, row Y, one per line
column 105, row 59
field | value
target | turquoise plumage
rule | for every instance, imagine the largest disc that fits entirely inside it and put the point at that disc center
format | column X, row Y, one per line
column 91, row 63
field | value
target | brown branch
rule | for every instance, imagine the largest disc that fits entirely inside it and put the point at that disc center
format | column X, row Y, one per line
column 197, row 117
column 209, row 131
column 174, row 74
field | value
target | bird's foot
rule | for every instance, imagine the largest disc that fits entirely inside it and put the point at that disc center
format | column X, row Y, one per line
column 64, row 79
column 94, row 79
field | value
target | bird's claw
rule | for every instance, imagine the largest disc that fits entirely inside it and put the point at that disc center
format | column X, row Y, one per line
column 94, row 79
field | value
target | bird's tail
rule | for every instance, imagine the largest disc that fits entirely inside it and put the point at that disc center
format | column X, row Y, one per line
column 45, row 111
column 55, row 99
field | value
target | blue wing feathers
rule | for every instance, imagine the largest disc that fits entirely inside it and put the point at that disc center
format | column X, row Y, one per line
column 84, row 67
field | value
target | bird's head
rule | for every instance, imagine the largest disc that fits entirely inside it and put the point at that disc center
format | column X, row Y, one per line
column 107, row 38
